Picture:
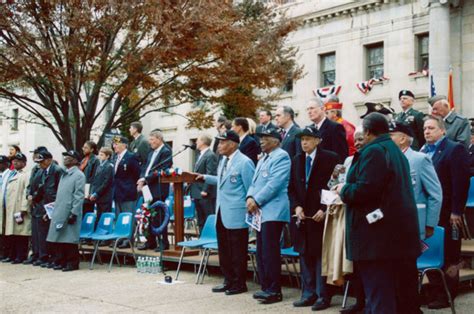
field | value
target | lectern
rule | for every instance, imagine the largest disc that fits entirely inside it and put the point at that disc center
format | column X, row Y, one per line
column 178, row 182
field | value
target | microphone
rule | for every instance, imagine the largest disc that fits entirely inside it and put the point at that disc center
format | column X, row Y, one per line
column 192, row 146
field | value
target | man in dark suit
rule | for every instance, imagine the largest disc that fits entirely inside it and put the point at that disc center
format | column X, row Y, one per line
column 310, row 173
column 471, row 153
column 101, row 191
column 44, row 190
column 332, row 133
column 382, row 237
column 127, row 172
column 265, row 119
column 284, row 118
column 450, row 160
column 248, row 145
column 139, row 146
column 203, row 194
column 88, row 166
column 160, row 158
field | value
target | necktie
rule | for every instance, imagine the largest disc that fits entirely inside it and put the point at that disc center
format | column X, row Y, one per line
column 224, row 166
column 430, row 148
column 119, row 158
column 308, row 167
column 283, row 134
column 152, row 161
column 402, row 116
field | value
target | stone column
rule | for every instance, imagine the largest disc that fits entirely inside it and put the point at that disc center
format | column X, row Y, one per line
column 439, row 44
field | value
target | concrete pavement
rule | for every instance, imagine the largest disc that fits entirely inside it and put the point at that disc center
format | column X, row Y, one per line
column 28, row 289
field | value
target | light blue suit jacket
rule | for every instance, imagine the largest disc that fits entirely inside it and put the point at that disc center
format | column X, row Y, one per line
column 269, row 186
column 232, row 190
column 427, row 189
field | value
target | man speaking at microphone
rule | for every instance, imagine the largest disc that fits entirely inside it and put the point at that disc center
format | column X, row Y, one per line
column 160, row 158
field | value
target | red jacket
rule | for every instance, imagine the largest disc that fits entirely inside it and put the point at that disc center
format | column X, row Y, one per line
column 350, row 129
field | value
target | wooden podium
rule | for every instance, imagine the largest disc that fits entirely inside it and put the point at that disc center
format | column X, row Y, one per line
column 178, row 182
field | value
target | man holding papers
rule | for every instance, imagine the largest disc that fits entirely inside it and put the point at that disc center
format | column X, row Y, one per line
column 310, row 173
column 234, row 176
column 268, row 194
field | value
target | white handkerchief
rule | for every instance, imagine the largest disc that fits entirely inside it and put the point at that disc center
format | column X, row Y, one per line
column 49, row 209
column 328, row 197
column 147, row 197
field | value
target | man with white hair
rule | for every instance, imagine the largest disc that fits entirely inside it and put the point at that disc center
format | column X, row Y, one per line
column 457, row 127
column 332, row 133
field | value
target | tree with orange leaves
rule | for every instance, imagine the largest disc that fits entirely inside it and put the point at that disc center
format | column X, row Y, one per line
column 67, row 62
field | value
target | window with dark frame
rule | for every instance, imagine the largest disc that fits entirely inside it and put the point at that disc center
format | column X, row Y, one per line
column 375, row 60
column 423, row 52
column 328, row 69
column 14, row 119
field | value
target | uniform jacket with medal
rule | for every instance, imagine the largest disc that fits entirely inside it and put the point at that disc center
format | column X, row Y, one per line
column 69, row 200
column 380, row 178
column 309, row 234
column 232, row 190
column 126, row 177
column 269, row 186
column 414, row 118
column 16, row 202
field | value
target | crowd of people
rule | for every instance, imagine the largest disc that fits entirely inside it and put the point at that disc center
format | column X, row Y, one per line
column 396, row 177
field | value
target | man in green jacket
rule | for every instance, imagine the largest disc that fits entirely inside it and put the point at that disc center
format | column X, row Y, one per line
column 381, row 222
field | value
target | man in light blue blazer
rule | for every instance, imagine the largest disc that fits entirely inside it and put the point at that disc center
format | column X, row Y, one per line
column 426, row 185
column 268, row 195
column 234, row 176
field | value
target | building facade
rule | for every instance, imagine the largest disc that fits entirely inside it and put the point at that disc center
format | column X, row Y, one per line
column 400, row 43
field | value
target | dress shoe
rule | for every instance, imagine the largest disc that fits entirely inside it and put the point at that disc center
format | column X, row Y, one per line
column 239, row 290
column 7, row 260
column 57, row 267
column 38, row 263
column 144, row 247
column 71, row 267
column 438, row 304
column 259, row 295
column 304, row 302
column 30, row 260
column 353, row 309
column 271, row 298
column 321, row 304
column 17, row 261
column 221, row 288
column 123, row 245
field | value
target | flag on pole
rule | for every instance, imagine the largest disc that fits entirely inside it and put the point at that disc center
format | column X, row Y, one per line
column 432, row 86
column 450, row 89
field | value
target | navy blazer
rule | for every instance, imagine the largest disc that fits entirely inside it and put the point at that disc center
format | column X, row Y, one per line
column 333, row 137
column 292, row 144
column 250, row 148
column 91, row 168
column 126, row 177
column 451, row 164
column 103, row 182
column 162, row 161
column 309, row 235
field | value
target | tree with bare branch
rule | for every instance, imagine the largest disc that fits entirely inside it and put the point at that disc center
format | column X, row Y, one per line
column 67, row 62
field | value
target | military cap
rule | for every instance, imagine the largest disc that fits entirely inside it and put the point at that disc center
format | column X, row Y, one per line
column 377, row 107
column 39, row 149
column 20, row 157
column 405, row 92
column 333, row 106
column 229, row 135
column 436, row 98
column 120, row 139
column 309, row 131
column 43, row 156
column 271, row 132
column 401, row 127
column 73, row 154
column 4, row 159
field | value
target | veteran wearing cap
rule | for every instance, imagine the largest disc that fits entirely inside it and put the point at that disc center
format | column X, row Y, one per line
column 457, row 127
column 17, row 221
column 426, row 185
column 412, row 117
column 66, row 219
column 268, row 196
column 233, row 179
column 310, row 173
column 44, row 192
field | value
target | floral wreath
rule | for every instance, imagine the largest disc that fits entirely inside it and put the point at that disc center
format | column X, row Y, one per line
column 146, row 213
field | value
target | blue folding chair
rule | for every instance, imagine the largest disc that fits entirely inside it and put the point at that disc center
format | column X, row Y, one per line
column 208, row 235
column 105, row 226
column 123, row 230
column 289, row 254
column 87, row 226
column 433, row 260
column 470, row 196
column 190, row 212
